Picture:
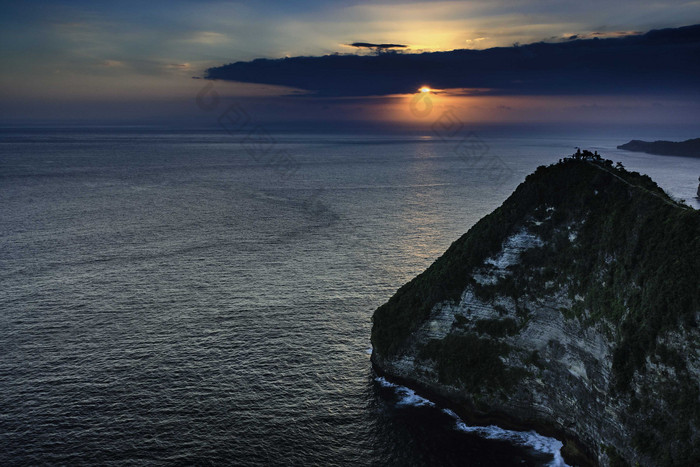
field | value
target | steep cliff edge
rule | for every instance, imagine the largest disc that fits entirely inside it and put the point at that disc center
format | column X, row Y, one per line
column 574, row 305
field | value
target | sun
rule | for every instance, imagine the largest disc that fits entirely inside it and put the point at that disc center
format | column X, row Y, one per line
column 425, row 89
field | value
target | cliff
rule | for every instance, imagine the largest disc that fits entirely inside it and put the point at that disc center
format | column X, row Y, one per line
column 573, row 308
column 688, row 148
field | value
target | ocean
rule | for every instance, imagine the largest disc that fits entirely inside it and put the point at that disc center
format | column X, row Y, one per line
column 198, row 297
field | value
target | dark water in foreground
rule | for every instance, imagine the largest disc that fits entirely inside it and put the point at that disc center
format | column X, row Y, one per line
column 165, row 298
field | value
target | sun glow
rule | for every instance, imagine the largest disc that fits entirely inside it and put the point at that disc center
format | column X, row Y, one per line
column 425, row 89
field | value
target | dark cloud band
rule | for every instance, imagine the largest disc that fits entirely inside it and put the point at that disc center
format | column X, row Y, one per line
column 660, row 61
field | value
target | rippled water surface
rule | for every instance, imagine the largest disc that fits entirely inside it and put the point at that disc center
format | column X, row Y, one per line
column 173, row 297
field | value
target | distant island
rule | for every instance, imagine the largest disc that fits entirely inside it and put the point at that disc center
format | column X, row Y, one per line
column 689, row 148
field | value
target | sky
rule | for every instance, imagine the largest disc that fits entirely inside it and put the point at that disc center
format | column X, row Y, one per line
column 143, row 61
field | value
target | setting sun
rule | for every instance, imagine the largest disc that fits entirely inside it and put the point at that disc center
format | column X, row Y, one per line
column 496, row 247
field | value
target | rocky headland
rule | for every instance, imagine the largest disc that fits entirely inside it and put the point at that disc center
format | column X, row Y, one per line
column 572, row 308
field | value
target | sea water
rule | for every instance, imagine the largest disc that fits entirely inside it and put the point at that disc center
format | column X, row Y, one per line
column 186, row 297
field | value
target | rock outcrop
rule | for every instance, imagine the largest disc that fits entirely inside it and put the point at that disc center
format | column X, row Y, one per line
column 574, row 306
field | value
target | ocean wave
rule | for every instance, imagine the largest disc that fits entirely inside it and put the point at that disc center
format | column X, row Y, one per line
column 407, row 396
column 529, row 439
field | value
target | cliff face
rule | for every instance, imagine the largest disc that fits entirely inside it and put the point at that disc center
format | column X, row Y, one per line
column 575, row 305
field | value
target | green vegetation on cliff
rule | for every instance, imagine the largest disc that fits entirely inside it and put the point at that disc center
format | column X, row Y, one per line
column 653, row 241
column 472, row 361
column 444, row 280
column 627, row 255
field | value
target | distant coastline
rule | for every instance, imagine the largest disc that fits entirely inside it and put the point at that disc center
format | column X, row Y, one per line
column 688, row 148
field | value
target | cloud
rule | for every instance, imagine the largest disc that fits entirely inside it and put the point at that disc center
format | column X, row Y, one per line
column 370, row 45
column 178, row 66
column 113, row 63
column 208, row 38
column 659, row 61
column 598, row 34
column 475, row 41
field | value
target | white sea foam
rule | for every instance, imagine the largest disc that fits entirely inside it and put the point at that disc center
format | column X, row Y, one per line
column 407, row 396
column 530, row 439
column 384, row 383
